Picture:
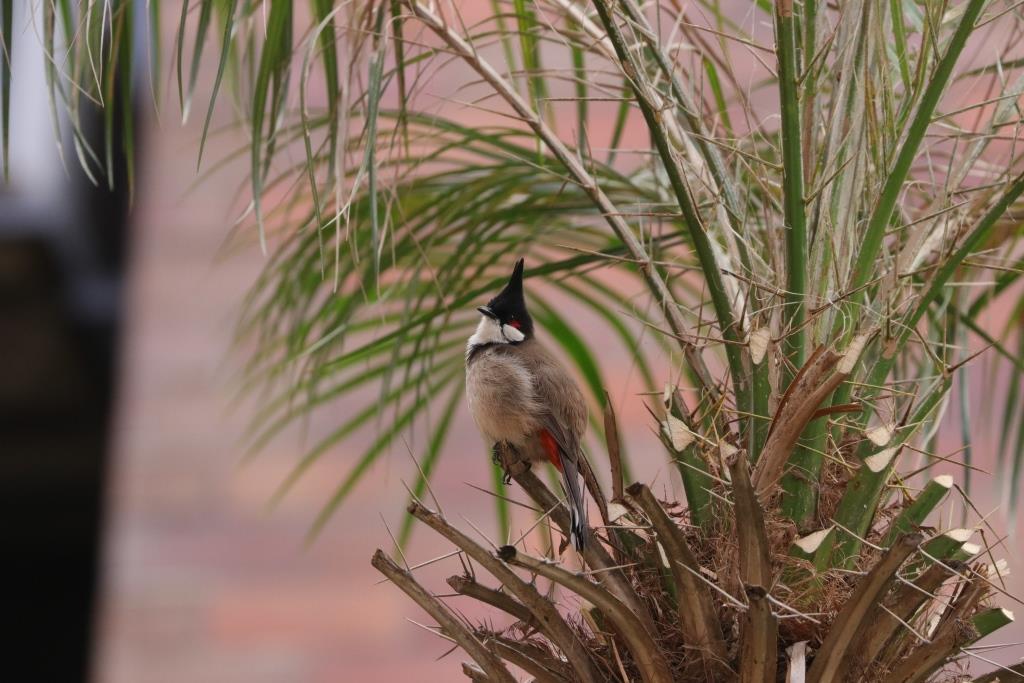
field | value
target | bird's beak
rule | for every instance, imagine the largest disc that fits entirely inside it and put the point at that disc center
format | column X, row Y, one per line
column 488, row 312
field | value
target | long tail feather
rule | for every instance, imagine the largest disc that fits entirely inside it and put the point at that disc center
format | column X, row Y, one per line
column 578, row 525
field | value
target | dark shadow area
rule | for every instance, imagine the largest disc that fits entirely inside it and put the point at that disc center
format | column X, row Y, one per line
column 61, row 274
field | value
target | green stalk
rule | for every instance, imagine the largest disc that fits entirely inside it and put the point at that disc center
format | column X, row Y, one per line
column 715, row 84
column 125, row 90
column 503, row 521
column 974, row 240
column 914, row 514
column 274, row 60
column 692, row 219
column 762, row 419
column 880, row 372
column 724, row 185
column 899, row 36
column 878, row 222
column 944, row 547
column 322, row 10
column 693, row 116
column 809, row 548
column 121, row 32
column 579, row 70
column 697, row 482
column 927, row 43
column 792, row 186
column 619, row 127
column 530, row 48
column 155, row 34
column 965, row 552
column 806, row 547
column 965, row 419
column 860, row 501
column 375, row 92
column 810, row 76
column 991, row 620
column 942, row 276
column 841, row 148
column 398, row 39
column 503, row 35
column 842, row 395
column 800, row 485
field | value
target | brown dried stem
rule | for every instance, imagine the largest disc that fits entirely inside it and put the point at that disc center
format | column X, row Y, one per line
column 900, row 607
column 760, row 632
column 464, row 585
column 812, row 385
column 490, row 663
column 548, row 618
column 755, row 563
column 531, row 658
column 697, row 615
column 953, row 631
column 870, row 590
column 640, row 641
column 759, row 636
column 474, row 673
column 594, row 553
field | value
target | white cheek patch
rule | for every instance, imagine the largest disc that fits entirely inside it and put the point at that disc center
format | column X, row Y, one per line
column 487, row 332
column 512, row 334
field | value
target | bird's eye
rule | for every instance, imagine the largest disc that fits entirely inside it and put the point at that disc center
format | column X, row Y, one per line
column 515, row 323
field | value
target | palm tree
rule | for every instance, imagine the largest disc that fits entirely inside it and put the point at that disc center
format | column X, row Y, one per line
column 820, row 213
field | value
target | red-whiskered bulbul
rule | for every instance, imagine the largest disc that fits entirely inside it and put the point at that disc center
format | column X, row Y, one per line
column 521, row 396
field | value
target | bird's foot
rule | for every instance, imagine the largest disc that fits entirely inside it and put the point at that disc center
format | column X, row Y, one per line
column 515, row 469
column 506, row 455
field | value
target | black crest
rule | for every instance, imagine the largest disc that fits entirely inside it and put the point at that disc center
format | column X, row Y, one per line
column 509, row 307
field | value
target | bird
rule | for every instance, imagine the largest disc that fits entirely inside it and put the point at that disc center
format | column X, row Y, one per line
column 523, row 399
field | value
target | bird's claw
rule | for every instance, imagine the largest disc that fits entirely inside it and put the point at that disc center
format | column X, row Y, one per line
column 505, row 455
column 514, row 469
